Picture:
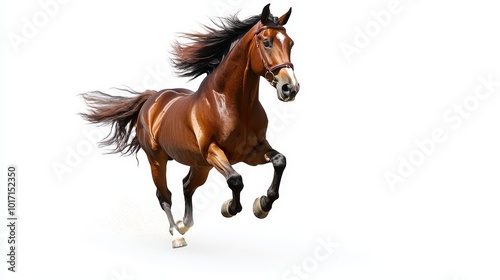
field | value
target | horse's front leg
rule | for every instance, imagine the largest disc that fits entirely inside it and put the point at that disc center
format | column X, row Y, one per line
column 217, row 158
column 262, row 154
column 263, row 204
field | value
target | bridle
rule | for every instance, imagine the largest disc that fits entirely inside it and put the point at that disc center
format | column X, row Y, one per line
column 270, row 69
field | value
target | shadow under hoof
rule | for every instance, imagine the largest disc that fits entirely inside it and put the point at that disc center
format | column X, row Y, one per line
column 179, row 242
column 257, row 209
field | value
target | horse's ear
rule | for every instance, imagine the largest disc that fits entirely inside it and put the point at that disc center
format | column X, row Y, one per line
column 264, row 18
column 284, row 18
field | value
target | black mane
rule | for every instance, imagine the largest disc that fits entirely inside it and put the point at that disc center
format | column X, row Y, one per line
column 205, row 51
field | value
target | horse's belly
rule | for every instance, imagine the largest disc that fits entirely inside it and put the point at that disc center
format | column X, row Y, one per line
column 186, row 156
column 179, row 142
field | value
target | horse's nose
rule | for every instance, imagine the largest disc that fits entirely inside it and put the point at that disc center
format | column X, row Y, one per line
column 290, row 91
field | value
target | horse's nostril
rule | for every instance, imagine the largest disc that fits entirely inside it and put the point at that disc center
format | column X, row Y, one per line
column 286, row 88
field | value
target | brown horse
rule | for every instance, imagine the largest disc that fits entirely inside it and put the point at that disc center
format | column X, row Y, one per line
column 220, row 124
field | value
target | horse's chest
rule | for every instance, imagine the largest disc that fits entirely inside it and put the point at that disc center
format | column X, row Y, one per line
column 241, row 141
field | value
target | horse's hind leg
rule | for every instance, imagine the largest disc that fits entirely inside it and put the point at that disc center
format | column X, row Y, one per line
column 158, row 165
column 195, row 178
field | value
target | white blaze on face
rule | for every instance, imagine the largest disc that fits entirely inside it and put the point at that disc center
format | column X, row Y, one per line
column 281, row 38
column 289, row 72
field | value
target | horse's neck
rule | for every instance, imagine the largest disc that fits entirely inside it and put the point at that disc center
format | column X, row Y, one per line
column 235, row 79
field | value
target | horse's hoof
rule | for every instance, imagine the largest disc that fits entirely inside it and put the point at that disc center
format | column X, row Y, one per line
column 257, row 209
column 225, row 209
column 181, row 227
column 179, row 242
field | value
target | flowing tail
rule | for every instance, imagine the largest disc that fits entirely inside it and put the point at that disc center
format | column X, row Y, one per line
column 119, row 112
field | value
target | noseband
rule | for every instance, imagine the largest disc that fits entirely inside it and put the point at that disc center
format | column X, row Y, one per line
column 270, row 69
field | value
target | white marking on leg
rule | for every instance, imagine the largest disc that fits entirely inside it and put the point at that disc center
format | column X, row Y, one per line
column 178, row 240
column 182, row 227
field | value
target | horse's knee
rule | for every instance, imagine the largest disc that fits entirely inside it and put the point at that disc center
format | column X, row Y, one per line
column 235, row 182
column 279, row 161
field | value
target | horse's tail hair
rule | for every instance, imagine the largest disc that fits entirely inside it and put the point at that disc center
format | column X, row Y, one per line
column 119, row 112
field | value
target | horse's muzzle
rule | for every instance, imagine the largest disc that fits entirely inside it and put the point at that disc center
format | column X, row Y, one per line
column 288, row 92
column 287, row 85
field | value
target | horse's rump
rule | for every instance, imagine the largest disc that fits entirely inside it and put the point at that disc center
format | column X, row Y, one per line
column 165, row 122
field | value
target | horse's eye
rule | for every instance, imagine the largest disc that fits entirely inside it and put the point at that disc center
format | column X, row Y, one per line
column 267, row 43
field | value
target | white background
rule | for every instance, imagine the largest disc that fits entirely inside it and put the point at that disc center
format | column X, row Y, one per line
column 352, row 122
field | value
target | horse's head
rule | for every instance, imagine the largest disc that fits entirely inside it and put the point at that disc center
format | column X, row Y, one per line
column 271, row 55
